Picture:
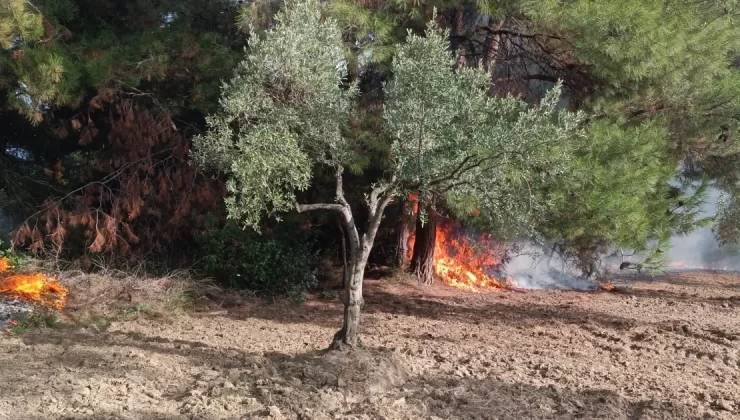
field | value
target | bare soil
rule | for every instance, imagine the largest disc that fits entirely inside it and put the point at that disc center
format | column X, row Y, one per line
column 665, row 348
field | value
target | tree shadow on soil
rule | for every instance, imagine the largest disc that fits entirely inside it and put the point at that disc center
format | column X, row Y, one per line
column 370, row 382
column 199, row 353
column 490, row 398
column 381, row 303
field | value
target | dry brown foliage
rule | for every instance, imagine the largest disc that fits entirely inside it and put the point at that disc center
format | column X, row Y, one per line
column 139, row 195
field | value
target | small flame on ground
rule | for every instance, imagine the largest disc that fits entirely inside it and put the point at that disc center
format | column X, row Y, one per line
column 33, row 287
column 608, row 287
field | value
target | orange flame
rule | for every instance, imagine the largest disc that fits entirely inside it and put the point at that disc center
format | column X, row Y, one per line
column 34, row 287
column 5, row 265
column 677, row 264
column 462, row 263
column 608, row 287
column 414, row 201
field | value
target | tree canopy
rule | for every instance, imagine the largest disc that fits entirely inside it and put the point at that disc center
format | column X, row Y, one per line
column 283, row 112
column 563, row 121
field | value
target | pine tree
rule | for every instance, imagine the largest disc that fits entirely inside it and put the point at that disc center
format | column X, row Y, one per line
column 19, row 21
column 659, row 73
column 615, row 193
column 56, row 54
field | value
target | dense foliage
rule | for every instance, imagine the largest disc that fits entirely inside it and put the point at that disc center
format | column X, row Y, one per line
column 59, row 52
column 140, row 195
column 284, row 109
column 616, row 193
column 266, row 266
column 100, row 100
column 452, row 141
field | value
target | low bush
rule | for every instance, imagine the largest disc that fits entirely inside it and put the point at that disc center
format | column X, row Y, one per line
column 265, row 265
column 40, row 318
column 15, row 258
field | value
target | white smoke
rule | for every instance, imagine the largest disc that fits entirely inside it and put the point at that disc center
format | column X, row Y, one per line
column 700, row 249
column 536, row 267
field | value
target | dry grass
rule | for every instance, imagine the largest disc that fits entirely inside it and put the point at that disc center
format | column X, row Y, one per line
column 107, row 293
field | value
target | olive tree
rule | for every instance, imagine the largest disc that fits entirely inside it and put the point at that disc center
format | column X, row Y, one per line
column 282, row 115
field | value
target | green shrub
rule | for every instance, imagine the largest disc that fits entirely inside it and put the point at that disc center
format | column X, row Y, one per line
column 330, row 295
column 133, row 311
column 16, row 259
column 40, row 318
column 266, row 266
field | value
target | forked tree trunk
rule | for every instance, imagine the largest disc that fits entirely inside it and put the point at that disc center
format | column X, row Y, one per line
column 359, row 252
column 422, row 263
column 345, row 266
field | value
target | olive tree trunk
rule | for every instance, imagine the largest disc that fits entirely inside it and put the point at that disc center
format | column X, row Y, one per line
column 345, row 265
column 360, row 246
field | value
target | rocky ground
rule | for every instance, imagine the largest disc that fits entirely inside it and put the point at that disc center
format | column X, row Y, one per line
column 664, row 348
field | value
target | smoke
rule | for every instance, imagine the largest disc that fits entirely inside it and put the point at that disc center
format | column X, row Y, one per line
column 537, row 267
column 6, row 225
column 700, row 249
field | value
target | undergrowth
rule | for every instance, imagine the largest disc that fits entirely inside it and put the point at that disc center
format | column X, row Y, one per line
column 111, row 295
column 40, row 318
column 265, row 266
column 15, row 258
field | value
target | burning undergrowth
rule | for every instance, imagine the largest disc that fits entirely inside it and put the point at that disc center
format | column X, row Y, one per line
column 31, row 287
column 465, row 260
column 22, row 291
column 471, row 261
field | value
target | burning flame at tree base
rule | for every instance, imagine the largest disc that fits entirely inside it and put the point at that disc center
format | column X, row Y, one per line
column 34, row 287
column 464, row 263
column 471, row 264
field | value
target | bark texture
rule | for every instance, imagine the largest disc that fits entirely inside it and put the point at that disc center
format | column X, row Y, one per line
column 347, row 337
column 403, row 232
column 345, row 265
column 422, row 263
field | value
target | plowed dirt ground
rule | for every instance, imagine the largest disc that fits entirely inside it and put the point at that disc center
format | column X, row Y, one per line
column 664, row 348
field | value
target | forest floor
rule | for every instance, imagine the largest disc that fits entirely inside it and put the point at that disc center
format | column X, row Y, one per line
column 666, row 348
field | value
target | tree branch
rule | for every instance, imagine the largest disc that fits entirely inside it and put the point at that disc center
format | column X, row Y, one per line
column 376, row 216
column 493, row 31
column 378, row 192
column 543, row 77
column 342, row 206
column 455, row 172
column 339, row 193
column 302, row 208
